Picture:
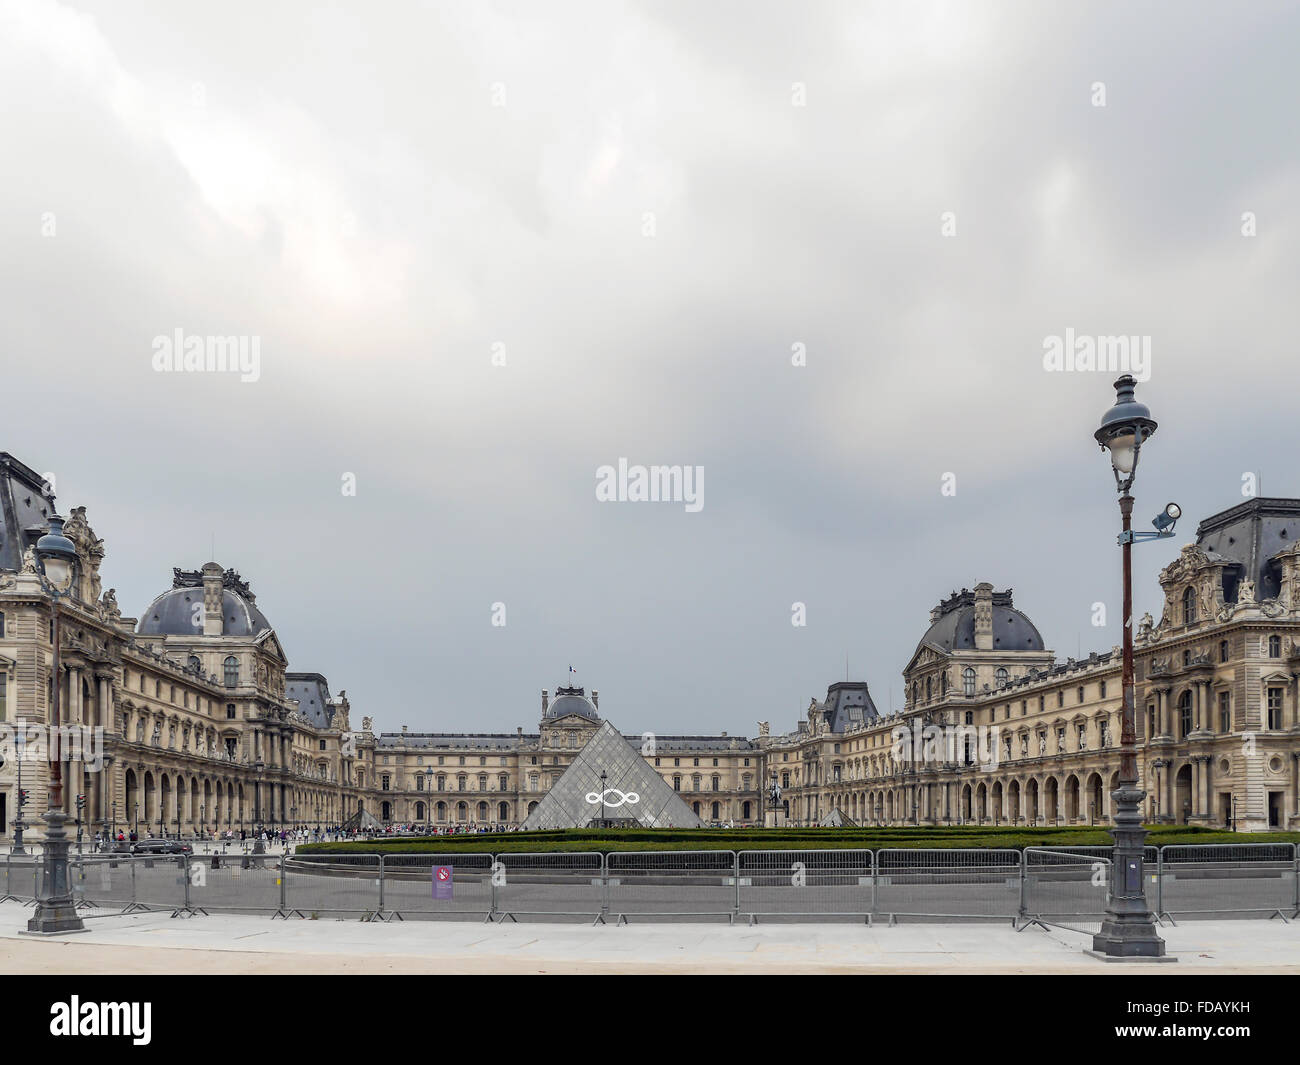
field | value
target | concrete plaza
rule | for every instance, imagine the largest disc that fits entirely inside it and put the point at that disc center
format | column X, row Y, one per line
column 157, row 943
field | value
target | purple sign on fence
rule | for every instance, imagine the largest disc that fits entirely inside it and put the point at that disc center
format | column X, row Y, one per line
column 442, row 883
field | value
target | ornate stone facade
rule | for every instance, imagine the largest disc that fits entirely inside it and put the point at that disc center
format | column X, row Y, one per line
column 1216, row 692
column 206, row 728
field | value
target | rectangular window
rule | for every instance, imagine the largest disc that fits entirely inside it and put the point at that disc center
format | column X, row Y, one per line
column 1225, row 719
column 1275, row 708
column 4, row 694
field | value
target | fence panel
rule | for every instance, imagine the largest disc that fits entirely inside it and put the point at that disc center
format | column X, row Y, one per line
column 1213, row 880
column 237, row 884
column 21, row 877
column 337, row 884
column 1066, row 889
column 410, row 888
column 948, row 883
column 806, row 883
column 672, row 883
column 1150, row 865
column 104, row 886
column 561, row 883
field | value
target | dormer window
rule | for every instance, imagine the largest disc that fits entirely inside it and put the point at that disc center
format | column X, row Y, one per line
column 1001, row 677
column 1189, row 606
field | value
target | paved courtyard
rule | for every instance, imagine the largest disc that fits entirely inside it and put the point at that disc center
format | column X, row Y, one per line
column 156, row 943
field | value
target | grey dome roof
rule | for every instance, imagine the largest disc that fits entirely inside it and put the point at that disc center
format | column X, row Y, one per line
column 955, row 628
column 572, row 701
column 172, row 614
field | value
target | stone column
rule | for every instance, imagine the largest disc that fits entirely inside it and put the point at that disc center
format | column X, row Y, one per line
column 71, row 715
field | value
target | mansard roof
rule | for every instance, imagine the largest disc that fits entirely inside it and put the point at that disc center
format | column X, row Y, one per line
column 1250, row 535
column 26, row 503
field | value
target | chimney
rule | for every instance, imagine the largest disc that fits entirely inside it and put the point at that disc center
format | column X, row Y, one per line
column 403, row 728
column 595, row 698
column 212, row 587
column 546, row 701
column 984, row 616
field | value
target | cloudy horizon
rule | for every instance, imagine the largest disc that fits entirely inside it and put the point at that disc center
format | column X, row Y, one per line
column 817, row 252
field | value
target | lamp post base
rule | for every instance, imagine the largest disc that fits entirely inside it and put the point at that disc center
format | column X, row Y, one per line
column 1129, row 936
column 56, row 910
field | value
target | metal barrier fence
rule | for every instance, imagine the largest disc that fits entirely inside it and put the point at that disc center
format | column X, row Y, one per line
column 1051, row 885
column 337, row 884
column 1229, row 878
column 1150, row 860
column 435, row 885
column 948, row 883
column 566, row 883
column 21, row 878
column 806, row 883
column 671, row 884
column 1064, row 888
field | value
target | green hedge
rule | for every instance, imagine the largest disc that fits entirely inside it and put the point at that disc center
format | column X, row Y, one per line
column 782, row 839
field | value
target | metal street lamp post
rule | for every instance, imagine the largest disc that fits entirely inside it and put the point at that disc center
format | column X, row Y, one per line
column 55, row 910
column 259, row 847
column 1128, row 930
column 20, row 744
column 602, row 798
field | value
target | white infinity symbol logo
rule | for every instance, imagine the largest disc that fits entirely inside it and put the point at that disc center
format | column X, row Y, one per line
column 594, row 797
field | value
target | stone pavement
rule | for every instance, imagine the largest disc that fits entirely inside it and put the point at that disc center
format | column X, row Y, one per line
column 157, row 943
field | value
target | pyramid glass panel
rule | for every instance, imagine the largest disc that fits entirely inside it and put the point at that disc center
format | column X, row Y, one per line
column 633, row 791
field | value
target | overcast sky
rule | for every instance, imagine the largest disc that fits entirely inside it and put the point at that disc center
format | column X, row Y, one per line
column 646, row 211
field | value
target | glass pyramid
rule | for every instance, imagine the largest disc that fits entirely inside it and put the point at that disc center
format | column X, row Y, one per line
column 633, row 791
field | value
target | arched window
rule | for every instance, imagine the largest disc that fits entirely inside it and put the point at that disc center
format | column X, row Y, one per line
column 482, row 811
column 716, row 811
column 928, row 690
column 232, row 671
column 1001, row 676
column 195, row 664
column 968, row 681
column 1189, row 606
column 503, row 811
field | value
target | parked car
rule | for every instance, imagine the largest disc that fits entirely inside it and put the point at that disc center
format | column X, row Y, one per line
column 161, row 846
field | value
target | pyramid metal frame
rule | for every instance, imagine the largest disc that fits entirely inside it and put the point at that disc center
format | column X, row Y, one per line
column 633, row 789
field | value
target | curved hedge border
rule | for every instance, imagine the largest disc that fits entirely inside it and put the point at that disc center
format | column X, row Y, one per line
column 748, row 839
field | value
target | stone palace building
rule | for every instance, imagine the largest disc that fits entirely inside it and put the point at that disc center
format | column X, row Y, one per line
column 204, row 726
